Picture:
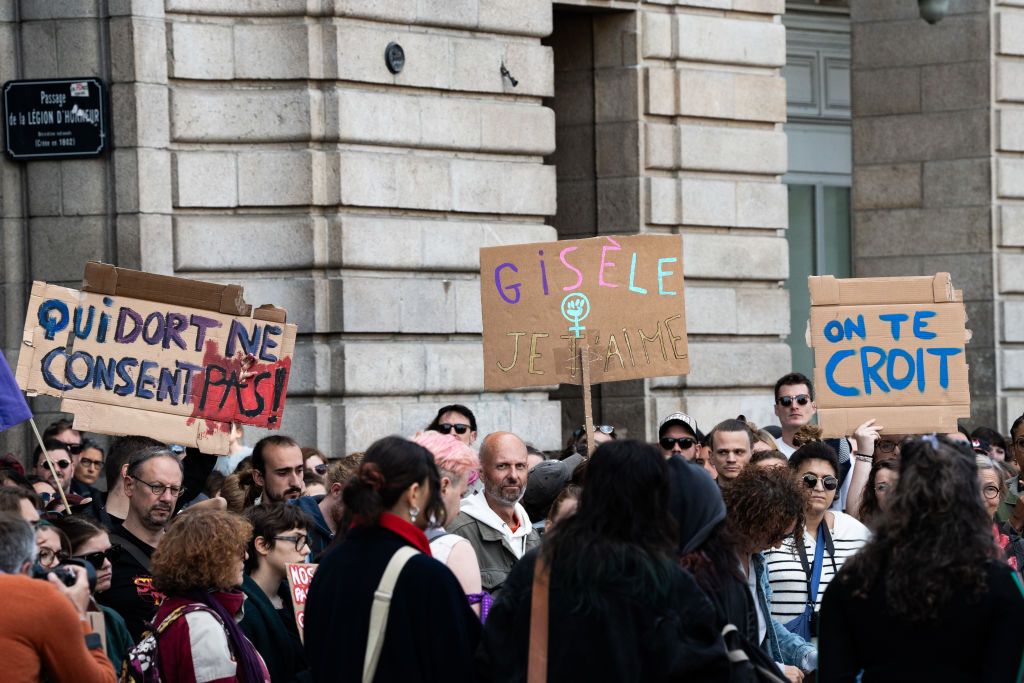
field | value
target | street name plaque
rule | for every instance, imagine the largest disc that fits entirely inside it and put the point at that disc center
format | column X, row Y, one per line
column 63, row 118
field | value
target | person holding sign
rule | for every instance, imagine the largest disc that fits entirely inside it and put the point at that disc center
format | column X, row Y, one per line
column 280, row 536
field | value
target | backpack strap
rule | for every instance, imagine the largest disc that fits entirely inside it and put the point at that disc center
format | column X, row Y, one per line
column 537, row 666
column 381, row 607
column 131, row 549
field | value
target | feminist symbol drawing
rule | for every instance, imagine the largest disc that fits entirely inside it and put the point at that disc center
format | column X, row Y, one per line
column 576, row 307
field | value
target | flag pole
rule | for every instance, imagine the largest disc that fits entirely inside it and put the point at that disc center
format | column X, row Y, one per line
column 53, row 470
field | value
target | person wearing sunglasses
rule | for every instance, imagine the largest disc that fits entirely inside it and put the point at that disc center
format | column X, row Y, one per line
column 63, row 462
column 678, row 435
column 801, row 570
column 455, row 419
column 280, row 536
column 577, row 443
column 90, row 543
column 315, row 464
column 794, row 406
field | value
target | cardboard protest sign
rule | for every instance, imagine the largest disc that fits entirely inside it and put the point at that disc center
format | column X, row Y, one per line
column 622, row 296
column 299, row 578
column 165, row 357
column 890, row 349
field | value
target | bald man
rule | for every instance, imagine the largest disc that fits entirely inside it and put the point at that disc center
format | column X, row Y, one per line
column 494, row 521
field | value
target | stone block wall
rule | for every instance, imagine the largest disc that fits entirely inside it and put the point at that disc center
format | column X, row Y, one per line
column 923, row 179
column 713, row 154
column 1008, row 212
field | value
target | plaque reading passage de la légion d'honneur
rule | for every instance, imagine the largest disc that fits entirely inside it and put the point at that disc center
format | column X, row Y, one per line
column 55, row 119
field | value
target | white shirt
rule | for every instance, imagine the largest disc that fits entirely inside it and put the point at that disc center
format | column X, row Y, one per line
column 785, row 448
column 786, row 574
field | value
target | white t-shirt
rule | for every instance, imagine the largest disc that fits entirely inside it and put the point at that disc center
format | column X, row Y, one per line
column 786, row 575
column 785, row 448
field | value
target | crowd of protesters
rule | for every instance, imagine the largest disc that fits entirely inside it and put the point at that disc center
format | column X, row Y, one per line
column 745, row 553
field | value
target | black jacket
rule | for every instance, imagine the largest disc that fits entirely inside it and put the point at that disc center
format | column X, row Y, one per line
column 431, row 630
column 673, row 639
column 971, row 641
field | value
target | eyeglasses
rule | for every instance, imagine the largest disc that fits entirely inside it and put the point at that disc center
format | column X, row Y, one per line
column 604, row 429
column 882, row 488
column 828, row 481
column 96, row 559
column 886, row 445
column 72, row 448
column 320, row 469
column 48, row 557
column 90, row 463
column 668, row 442
column 158, row 489
column 300, row 540
column 1019, row 443
column 446, row 428
column 991, row 492
column 787, row 401
column 59, row 464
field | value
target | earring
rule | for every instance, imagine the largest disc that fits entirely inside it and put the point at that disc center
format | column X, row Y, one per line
column 414, row 512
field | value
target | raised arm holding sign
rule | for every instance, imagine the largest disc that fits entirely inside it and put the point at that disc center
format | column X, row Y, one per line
column 891, row 349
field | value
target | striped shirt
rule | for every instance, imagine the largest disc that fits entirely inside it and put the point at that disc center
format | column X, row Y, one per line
column 786, row 575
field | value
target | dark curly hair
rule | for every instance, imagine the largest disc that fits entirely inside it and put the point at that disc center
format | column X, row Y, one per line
column 869, row 506
column 765, row 505
column 934, row 539
column 622, row 539
column 197, row 552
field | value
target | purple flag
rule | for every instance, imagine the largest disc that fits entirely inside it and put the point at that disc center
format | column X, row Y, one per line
column 13, row 408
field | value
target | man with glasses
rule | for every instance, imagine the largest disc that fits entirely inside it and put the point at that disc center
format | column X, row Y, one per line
column 678, row 435
column 152, row 483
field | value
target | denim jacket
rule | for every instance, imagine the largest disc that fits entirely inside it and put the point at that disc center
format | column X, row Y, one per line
column 783, row 645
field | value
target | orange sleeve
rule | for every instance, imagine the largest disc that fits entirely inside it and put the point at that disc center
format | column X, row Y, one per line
column 63, row 654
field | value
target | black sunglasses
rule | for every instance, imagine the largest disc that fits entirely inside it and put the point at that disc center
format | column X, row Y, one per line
column 320, row 469
column 787, row 401
column 604, row 429
column 667, row 442
column 113, row 553
column 828, row 481
column 62, row 464
column 446, row 428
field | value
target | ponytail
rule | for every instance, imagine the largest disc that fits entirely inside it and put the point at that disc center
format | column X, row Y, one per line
column 391, row 465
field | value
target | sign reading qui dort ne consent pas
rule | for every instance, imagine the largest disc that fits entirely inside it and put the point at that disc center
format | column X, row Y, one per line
column 174, row 371
column 890, row 349
column 622, row 296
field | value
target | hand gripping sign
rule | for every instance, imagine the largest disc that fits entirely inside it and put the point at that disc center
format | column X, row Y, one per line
column 891, row 349
column 621, row 296
column 175, row 359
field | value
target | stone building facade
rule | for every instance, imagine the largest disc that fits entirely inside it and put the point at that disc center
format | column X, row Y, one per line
column 266, row 143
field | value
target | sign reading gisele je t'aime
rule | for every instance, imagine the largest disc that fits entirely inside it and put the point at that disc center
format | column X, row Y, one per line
column 174, row 359
column 891, row 349
column 621, row 295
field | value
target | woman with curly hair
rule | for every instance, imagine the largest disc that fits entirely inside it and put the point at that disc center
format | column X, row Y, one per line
column 926, row 599
column 621, row 608
column 765, row 506
column 430, row 632
column 882, row 480
column 198, row 567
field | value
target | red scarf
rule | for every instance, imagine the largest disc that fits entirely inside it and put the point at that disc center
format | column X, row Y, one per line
column 411, row 533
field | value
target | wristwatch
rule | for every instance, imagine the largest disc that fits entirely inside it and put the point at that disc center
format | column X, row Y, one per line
column 93, row 641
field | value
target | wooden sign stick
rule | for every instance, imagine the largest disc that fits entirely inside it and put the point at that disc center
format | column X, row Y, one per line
column 588, row 410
